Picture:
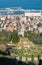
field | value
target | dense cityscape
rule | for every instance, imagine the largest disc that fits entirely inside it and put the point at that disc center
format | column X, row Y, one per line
column 28, row 21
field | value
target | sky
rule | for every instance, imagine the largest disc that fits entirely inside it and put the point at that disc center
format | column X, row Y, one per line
column 26, row 4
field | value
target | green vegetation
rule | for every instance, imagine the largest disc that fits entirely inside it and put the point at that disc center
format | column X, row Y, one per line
column 7, row 36
column 39, row 24
column 4, row 37
column 34, row 37
column 15, row 37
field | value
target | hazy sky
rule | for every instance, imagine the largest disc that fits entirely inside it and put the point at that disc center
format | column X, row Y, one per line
column 23, row 3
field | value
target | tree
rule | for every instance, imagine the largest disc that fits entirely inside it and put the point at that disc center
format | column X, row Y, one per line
column 9, row 35
column 15, row 37
column 39, row 24
column 32, row 58
column 5, row 36
column 41, row 34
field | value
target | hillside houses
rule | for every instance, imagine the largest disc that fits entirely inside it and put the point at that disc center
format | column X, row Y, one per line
column 22, row 23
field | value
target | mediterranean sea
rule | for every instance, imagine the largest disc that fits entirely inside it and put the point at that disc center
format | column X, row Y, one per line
column 25, row 4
